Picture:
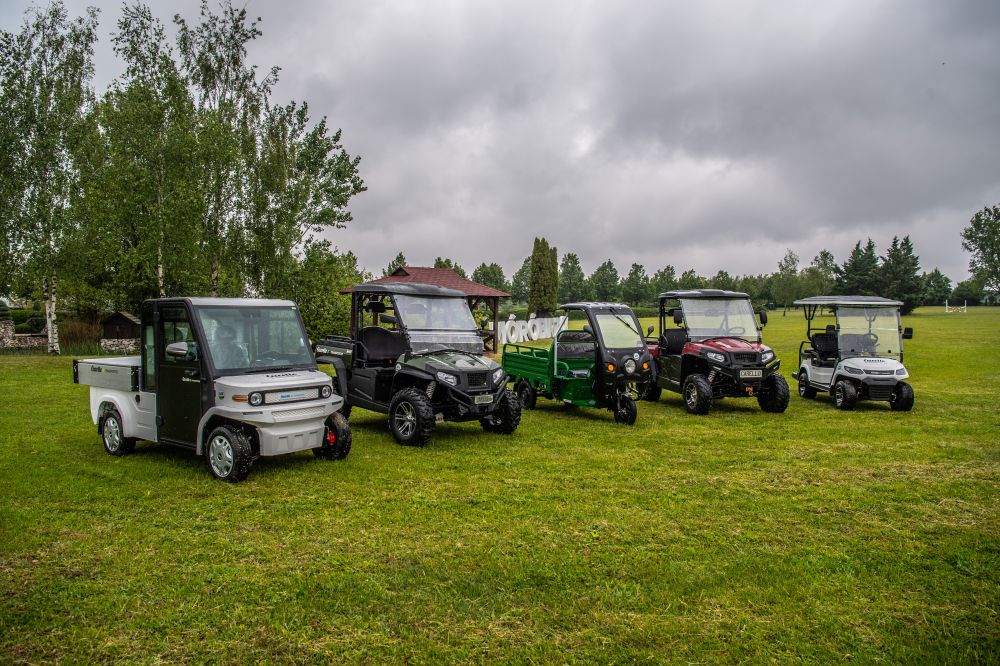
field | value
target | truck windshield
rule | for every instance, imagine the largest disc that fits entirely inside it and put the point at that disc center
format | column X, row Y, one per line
column 619, row 330
column 438, row 323
column 720, row 318
column 247, row 338
column 868, row 331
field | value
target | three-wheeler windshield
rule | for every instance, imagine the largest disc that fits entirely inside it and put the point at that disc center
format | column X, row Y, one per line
column 434, row 324
column 249, row 338
column 868, row 331
column 720, row 318
column 619, row 331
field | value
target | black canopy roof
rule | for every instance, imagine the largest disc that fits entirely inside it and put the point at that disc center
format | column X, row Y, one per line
column 408, row 288
column 702, row 293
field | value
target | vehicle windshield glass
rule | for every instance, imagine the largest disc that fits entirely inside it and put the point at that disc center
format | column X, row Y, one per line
column 868, row 331
column 438, row 323
column 619, row 330
column 720, row 318
column 247, row 338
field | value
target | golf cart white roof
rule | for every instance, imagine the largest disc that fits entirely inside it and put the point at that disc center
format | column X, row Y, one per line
column 849, row 301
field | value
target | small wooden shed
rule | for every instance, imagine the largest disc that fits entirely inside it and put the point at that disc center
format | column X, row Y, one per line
column 120, row 326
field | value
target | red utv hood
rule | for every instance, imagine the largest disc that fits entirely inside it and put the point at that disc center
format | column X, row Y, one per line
column 730, row 345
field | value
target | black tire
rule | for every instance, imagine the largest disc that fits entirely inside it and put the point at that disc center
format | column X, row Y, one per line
column 626, row 412
column 652, row 392
column 845, row 395
column 113, row 435
column 336, row 439
column 345, row 410
column 505, row 417
column 411, row 417
column 774, row 394
column 527, row 394
column 228, row 454
column 902, row 397
column 697, row 393
column 805, row 388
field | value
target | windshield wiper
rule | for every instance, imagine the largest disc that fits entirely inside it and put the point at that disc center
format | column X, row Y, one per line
column 274, row 368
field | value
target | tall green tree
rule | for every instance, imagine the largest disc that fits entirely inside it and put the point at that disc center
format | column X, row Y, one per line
column 785, row 284
column 604, row 284
column 543, row 291
column 663, row 280
column 982, row 239
column 900, row 274
column 491, row 275
column 320, row 274
column 520, row 283
column 45, row 74
column 937, row 287
column 690, row 279
column 394, row 265
column 968, row 292
column 859, row 274
column 572, row 281
column 820, row 276
column 722, row 280
column 448, row 263
column 635, row 287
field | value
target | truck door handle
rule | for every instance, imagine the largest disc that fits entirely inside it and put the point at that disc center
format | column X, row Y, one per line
column 190, row 376
column 193, row 380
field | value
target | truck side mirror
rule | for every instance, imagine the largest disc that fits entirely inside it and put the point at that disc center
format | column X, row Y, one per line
column 763, row 317
column 588, row 329
column 649, row 331
column 678, row 317
column 388, row 319
column 907, row 333
column 181, row 351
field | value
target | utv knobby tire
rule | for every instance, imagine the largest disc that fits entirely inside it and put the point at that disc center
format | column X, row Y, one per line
column 697, row 394
column 411, row 417
column 902, row 397
column 652, row 392
column 113, row 435
column 626, row 412
column 345, row 410
column 336, row 425
column 806, row 389
column 773, row 397
column 527, row 394
column 228, row 454
column 506, row 415
column 845, row 395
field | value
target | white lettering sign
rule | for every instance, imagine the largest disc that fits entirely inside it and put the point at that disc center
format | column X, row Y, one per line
column 536, row 328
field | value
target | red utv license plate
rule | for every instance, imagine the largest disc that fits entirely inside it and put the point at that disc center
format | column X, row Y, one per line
column 751, row 374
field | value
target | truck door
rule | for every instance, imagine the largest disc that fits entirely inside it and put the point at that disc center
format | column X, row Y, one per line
column 179, row 378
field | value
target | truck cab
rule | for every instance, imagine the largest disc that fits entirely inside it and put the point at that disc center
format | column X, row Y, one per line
column 230, row 379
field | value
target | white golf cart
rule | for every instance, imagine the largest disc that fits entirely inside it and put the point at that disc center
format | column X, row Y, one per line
column 858, row 358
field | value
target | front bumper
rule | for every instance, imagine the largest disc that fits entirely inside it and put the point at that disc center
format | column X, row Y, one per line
column 462, row 406
column 295, row 427
column 729, row 383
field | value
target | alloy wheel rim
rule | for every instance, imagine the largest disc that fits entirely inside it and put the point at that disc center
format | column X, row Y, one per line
column 405, row 419
column 220, row 455
column 691, row 395
column 112, row 434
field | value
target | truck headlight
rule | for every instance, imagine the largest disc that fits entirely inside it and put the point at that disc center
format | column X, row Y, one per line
column 629, row 366
column 326, row 391
column 718, row 358
column 766, row 356
column 447, row 378
column 256, row 399
column 498, row 375
column 854, row 371
column 900, row 371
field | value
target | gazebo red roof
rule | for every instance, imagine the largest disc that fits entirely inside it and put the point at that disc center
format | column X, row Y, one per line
column 441, row 277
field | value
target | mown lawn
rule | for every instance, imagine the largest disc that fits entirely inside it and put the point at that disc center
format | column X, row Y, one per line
column 814, row 536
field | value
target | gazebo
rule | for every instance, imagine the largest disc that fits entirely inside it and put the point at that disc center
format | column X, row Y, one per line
column 477, row 294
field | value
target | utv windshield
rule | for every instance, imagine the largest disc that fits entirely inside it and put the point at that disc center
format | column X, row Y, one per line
column 250, row 338
column 720, row 318
column 868, row 331
column 433, row 324
column 619, row 330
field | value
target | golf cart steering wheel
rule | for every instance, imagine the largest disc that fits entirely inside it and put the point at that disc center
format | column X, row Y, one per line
column 871, row 339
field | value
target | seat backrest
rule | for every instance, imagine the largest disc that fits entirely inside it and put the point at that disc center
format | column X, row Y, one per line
column 381, row 344
column 675, row 339
column 575, row 344
column 825, row 344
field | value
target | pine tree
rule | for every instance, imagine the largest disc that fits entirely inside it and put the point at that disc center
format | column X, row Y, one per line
column 900, row 277
column 520, row 284
column 394, row 265
column 663, row 280
column 859, row 275
column 572, row 281
column 635, row 287
column 604, row 284
column 543, row 292
column 448, row 263
column 937, row 287
column 690, row 279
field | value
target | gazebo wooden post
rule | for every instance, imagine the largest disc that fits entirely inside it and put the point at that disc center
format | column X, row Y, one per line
column 495, row 301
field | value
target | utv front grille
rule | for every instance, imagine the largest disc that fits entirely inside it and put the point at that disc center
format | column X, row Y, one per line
column 290, row 395
column 478, row 379
column 880, row 372
column 879, row 392
column 745, row 357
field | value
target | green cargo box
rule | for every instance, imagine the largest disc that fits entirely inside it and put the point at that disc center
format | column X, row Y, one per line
column 569, row 379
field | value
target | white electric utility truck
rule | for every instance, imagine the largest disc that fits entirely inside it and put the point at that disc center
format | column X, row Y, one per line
column 231, row 379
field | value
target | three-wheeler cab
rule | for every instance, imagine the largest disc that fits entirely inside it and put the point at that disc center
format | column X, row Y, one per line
column 231, row 379
column 713, row 351
column 859, row 356
column 597, row 359
column 416, row 355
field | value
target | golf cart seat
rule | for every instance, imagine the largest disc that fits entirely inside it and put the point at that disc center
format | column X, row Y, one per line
column 575, row 345
column 824, row 347
column 673, row 341
column 381, row 346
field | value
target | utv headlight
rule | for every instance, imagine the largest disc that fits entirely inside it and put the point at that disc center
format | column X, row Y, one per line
column 629, row 366
column 256, row 399
column 766, row 356
column 326, row 392
column 447, row 378
column 498, row 375
column 854, row 371
column 718, row 358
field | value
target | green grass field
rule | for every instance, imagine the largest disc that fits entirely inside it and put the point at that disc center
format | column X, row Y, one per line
column 812, row 536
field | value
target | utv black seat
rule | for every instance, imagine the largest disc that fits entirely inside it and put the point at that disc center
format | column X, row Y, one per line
column 381, row 345
column 673, row 341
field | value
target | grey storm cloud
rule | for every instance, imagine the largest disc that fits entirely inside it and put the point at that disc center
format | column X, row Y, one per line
column 704, row 135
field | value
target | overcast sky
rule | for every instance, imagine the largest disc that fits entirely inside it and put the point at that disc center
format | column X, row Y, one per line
column 706, row 135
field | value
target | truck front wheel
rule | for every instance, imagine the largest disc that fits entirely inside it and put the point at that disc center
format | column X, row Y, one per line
column 774, row 394
column 336, row 439
column 697, row 393
column 228, row 454
column 411, row 417
column 626, row 412
column 845, row 395
column 113, row 434
column 505, row 417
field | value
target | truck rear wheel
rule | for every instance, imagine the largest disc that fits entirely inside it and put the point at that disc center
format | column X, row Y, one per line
column 411, row 417
column 626, row 412
column 652, row 392
column 774, row 394
column 902, row 397
column 527, row 394
column 228, row 454
column 845, row 395
column 506, row 416
column 113, row 435
column 336, row 439
column 697, row 394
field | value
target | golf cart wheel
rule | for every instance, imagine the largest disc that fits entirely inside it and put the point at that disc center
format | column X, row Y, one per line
column 902, row 397
column 113, row 435
column 411, row 417
column 774, row 397
column 805, row 388
column 228, row 454
column 336, row 439
column 845, row 395
column 527, row 394
column 506, row 416
column 652, row 392
column 697, row 394
column 626, row 412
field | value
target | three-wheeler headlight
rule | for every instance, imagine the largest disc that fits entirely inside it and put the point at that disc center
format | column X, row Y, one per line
column 256, row 399
column 629, row 366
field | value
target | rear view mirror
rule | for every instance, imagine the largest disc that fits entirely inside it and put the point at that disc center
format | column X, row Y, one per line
column 678, row 317
column 388, row 319
column 588, row 329
column 763, row 317
column 907, row 333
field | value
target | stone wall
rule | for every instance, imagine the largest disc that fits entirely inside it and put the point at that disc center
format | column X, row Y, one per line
column 11, row 340
column 123, row 346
